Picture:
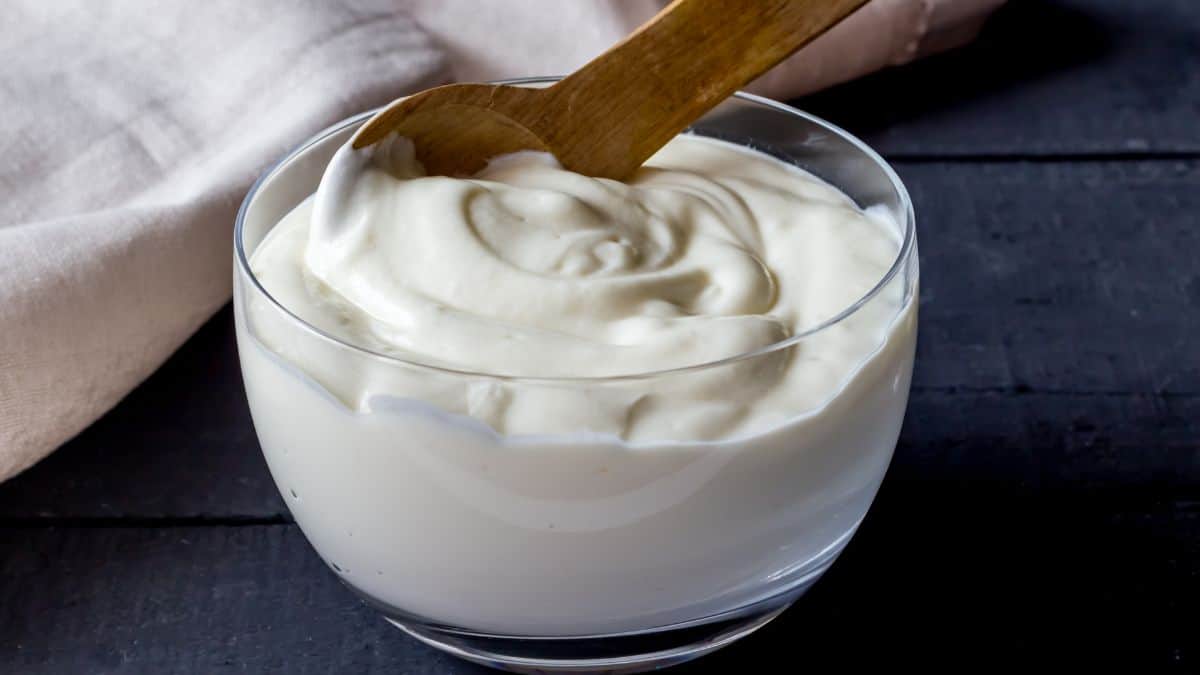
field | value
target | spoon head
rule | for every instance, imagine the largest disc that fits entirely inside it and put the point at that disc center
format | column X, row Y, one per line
column 458, row 128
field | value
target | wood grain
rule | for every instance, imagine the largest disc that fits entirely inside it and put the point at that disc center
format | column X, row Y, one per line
column 609, row 116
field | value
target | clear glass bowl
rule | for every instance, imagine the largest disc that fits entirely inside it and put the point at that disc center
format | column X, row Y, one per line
column 575, row 552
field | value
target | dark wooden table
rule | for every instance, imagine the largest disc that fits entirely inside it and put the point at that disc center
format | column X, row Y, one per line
column 1044, row 502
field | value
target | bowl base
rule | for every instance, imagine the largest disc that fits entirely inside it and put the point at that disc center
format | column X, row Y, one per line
column 620, row 653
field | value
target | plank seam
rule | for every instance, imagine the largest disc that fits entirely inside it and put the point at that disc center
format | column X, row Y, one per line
column 1184, row 506
column 1023, row 390
column 141, row 522
column 1047, row 158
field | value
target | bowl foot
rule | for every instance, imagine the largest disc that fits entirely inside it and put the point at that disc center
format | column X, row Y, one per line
column 619, row 653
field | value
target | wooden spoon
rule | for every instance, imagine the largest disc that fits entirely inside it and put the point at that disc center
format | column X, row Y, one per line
column 618, row 110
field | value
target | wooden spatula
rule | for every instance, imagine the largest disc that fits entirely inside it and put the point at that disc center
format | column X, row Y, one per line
column 616, row 111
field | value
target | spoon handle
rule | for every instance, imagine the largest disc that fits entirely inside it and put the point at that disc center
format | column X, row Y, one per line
column 691, row 56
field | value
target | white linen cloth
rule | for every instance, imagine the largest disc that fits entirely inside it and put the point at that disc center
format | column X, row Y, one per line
column 131, row 130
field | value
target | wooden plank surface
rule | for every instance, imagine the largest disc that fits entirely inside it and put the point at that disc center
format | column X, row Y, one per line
column 180, row 600
column 1059, row 305
column 1044, row 503
column 1046, row 78
column 942, row 575
column 1059, row 276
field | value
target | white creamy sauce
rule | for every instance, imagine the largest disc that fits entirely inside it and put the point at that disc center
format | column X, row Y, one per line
column 525, row 269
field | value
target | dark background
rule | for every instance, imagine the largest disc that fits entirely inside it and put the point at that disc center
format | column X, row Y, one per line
column 1043, row 507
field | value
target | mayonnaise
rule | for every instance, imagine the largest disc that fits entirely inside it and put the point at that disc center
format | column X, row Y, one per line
column 711, row 251
column 505, row 422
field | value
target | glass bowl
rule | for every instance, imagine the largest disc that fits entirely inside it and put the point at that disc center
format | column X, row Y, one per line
column 575, row 551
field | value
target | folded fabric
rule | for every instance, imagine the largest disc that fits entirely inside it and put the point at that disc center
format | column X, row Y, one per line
column 132, row 132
